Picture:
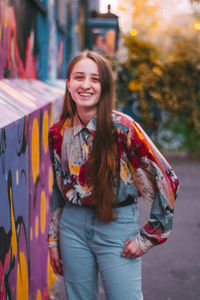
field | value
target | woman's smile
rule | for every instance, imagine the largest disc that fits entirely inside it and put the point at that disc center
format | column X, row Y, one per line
column 85, row 94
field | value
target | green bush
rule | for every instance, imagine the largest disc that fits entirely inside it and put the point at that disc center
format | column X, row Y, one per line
column 169, row 81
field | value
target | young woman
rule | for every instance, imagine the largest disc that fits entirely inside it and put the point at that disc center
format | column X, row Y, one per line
column 103, row 162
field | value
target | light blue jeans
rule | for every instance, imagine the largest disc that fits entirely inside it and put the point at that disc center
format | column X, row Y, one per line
column 89, row 246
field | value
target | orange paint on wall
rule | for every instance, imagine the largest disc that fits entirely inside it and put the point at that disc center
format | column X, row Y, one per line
column 45, row 131
column 22, row 278
column 36, row 227
column 42, row 212
column 35, row 150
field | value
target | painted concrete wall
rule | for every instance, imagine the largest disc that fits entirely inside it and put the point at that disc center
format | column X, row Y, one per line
column 27, row 109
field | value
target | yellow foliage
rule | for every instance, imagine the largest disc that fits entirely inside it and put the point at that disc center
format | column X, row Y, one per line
column 134, row 85
column 169, row 82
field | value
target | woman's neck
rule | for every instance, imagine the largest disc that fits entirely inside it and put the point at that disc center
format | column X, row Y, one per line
column 86, row 115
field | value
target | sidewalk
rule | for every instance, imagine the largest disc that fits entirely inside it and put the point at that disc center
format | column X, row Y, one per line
column 58, row 291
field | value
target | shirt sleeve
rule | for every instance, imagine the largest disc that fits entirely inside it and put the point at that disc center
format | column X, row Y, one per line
column 56, row 201
column 156, row 183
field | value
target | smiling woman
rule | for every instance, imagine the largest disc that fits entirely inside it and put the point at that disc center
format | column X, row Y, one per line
column 102, row 163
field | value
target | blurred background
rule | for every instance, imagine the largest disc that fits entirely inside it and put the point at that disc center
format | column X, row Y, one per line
column 154, row 50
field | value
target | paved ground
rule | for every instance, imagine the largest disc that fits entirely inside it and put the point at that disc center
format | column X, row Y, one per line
column 172, row 271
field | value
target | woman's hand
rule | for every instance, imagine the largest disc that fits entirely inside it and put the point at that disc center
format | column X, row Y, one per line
column 132, row 249
column 55, row 260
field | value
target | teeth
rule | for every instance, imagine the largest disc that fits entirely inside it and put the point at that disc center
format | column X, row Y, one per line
column 85, row 94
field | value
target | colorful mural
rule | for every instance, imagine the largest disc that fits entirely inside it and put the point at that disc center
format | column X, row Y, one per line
column 26, row 32
column 25, row 187
column 19, row 44
column 14, row 213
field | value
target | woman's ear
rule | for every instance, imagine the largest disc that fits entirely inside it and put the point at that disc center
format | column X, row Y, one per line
column 68, row 84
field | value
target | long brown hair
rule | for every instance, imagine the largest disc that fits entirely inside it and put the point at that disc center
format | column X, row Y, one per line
column 101, row 164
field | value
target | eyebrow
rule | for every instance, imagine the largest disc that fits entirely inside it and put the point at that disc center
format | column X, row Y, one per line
column 85, row 73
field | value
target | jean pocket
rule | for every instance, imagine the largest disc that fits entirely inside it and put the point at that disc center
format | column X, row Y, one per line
column 126, row 220
column 128, row 215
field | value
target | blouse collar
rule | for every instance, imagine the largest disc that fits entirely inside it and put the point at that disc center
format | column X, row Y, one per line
column 78, row 126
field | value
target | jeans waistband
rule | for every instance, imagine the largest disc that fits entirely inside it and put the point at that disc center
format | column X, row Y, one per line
column 129, row 200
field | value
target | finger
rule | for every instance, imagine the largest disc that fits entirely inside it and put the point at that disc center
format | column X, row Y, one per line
column 130, row 251
column 127, row 253
column 54, row 269
column 58, row 270
column 131, row 255
column 52, row 263
column 128, row 242
column 123, row 253
column 57, row 266
column 129, row 248
column 135, row 253
column 126, row 248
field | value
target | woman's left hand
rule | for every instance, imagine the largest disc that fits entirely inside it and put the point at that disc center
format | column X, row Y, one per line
column 131, row 249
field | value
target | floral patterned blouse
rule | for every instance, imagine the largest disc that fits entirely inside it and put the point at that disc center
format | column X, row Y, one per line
column 143, row 172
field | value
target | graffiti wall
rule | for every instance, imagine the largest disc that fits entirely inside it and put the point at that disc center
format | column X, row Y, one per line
column 20, row 47
column 27, row 109
column 26, row 32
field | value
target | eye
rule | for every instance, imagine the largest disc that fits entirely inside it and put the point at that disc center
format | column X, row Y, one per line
column 78, row 77
column 96, row 79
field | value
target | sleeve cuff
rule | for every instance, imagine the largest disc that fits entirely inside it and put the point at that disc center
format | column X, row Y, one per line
column 144, row 243
column 52, row 244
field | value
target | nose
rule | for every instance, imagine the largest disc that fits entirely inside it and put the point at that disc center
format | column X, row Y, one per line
column 86, row 83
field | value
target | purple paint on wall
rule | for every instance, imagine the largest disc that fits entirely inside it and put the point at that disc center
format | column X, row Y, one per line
column 25, row 186
column 39, row 189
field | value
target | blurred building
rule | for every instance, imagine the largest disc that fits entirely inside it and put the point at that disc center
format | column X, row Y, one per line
column 102, row 32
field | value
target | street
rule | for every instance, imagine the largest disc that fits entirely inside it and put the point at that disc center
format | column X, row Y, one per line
column 172, row 271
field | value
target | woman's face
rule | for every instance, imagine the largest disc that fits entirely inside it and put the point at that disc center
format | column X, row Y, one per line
column 84, row 84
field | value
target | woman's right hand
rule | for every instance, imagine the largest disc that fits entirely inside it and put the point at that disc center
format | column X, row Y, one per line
column 55, row 260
